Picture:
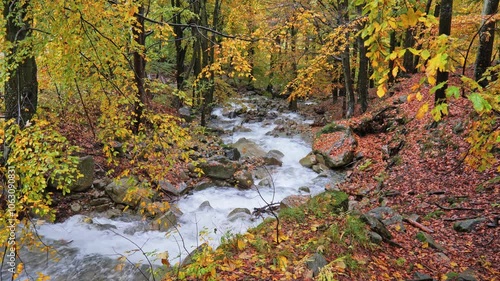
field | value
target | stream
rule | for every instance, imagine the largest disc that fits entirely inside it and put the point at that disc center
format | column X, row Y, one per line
column 90, row 248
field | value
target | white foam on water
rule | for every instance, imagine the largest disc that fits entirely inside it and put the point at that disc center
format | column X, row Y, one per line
column 113, row 238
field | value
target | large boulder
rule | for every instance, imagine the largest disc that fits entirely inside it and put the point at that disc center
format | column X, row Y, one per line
column 219, row 167
column 294, row 201
column 244, row 179
column 85, row 167
column 117, row 191
column 176, row 190
column 248, row 148
column 337, row 145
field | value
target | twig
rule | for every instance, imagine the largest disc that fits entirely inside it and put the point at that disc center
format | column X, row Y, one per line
column 459, row 219
column 419, row 225
column 458, row 208
column 140, row 249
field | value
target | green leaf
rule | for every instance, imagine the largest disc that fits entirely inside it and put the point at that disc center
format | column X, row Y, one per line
column 479, row 103
column 453, row 91
column 437, row 87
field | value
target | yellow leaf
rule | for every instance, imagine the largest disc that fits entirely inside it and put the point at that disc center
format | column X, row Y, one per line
column 419, row 266
column 425, row 245
column 381, row 91
column 241, row 244
column 419, row 96
column 422, row 111
column 395, row 71
column 282, row 262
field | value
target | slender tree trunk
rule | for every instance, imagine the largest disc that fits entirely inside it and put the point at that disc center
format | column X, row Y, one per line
column 143, row 97
column 21, row 90
column 362, row 72
column 346, row 66
column 293, row 46
column 486, row 39
column 409, row 58
column 180, row 53
column 392, row 47
column 446, row 9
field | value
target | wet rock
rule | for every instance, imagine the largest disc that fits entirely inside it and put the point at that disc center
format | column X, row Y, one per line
column 315, row 263
column 219, row 167
column 75, row 207
column 467, row 225
column 341, row 152
column 305, row 189
column 112, row 213
column 248, row 148
column 275, row 154
column 265, row 183
column 308, row 161
column 164, row 222
column 204, row 184
column 105, row 226
column 176, row 190
column 239, row 213
column 117, row 190
column 260, row 173
column 294, row 201
column 99, row 201
column 387, row 216
column 205, row 205
column 427, row 238
column 244, row 179
column 320, row 168
column 232, row 154
column 272, row 161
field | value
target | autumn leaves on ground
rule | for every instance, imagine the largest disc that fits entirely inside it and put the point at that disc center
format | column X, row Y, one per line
column 415, row 167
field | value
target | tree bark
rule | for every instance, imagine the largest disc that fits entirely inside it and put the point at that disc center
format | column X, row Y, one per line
column 180, row 53
column 486, row 39
column 142, row 97
column 362, row 72
column 21, row 90
column 293, row 46
column 446, row 9
column 346, row 65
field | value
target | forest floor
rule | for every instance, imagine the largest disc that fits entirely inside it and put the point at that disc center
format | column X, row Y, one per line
column 423, row 178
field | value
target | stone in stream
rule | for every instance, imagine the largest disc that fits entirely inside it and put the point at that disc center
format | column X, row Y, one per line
column 309, row 160
column 176, row 190
column 294, row 201
column 219, row 167
column 117, row 191
column 244, row 179
column 239, row 213
column 248, row 148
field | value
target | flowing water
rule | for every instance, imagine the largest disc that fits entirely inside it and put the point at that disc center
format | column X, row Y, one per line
column 91, row 250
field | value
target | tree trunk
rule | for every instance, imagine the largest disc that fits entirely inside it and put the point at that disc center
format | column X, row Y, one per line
column 409, row 58
column 142, row 97
column 180, row 53
column 346, row 66
column 445, row 12
column 21, row 90
column 293, row 46
column 392, row 47
column 362, row 72
column 486, row 39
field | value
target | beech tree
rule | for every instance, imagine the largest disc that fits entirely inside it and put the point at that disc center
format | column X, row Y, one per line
column 21, row 85
column 486, row 40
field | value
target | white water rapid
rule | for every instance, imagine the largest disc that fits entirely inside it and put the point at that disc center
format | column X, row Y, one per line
column 89, row 251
